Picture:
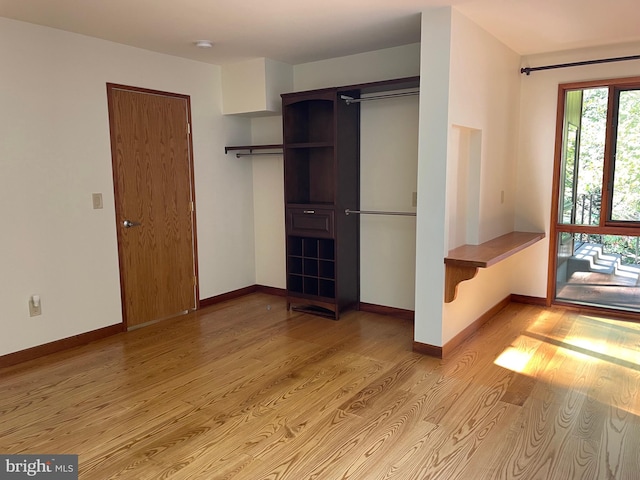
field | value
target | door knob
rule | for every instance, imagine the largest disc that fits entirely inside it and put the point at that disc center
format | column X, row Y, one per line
column 129, row 224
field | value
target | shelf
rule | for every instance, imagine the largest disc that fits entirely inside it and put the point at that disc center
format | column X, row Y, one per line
column 462, row 263
column 311, row 267
column 308, row 120
column 249, row 149
column 310, row 176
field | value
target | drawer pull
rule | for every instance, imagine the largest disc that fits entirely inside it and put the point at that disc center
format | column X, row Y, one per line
column 311, row 212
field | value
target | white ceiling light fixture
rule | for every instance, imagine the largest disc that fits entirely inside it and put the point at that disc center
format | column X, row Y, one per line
column 203, row 43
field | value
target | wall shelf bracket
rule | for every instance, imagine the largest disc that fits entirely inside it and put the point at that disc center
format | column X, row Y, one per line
column 454, row 275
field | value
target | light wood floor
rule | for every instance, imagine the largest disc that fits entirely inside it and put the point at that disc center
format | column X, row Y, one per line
column 242, row 390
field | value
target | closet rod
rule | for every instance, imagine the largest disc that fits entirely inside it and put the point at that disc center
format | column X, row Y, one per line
column 349, row 100
column 239, row 155
column 376, row 212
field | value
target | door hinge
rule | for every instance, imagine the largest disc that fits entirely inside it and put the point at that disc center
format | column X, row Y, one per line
column 191, row 206
column 195, row 281
column 188, row 129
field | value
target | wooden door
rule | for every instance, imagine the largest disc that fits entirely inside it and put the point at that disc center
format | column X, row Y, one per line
column 153, row 183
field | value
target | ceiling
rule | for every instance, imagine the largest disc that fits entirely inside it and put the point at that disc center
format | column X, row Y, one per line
column 300, row 31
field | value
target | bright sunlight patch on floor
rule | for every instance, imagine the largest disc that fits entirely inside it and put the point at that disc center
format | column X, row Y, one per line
column 586, row 341
column 514, row 359
column 591, row 345
column 563, row 354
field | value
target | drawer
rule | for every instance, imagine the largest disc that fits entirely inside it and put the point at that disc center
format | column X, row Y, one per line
column 310, row 222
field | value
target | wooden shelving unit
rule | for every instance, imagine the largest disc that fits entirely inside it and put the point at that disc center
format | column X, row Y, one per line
column 321, row 176
column 321, row 133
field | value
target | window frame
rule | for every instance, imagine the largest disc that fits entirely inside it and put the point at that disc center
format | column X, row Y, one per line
column 610, row 154
column 606, row 226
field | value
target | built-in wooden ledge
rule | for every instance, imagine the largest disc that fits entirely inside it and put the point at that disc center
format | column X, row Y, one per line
column 463, row 262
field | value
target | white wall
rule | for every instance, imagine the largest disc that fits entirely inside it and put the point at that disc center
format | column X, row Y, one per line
column 432, row 174
column 468, row 140
column 485, row 91
column 484, row 96
column 538, row 107
column 386, row 64
column 388, row 173
column 253, row 87
column 55, row 153
column 389, row 162
column 268, row 196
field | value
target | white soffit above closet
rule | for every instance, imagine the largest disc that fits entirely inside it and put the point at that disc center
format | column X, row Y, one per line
column 299, row 31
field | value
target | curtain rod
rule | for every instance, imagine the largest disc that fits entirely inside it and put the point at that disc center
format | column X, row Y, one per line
column 528, row 70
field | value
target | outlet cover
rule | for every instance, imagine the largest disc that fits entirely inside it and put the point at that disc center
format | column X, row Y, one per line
column 97, row 201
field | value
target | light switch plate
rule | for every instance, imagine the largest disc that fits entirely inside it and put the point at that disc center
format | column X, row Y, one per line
column 33, row 310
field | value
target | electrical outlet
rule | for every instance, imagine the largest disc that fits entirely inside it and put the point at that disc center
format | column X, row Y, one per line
column 97, row 201
column 35, row 308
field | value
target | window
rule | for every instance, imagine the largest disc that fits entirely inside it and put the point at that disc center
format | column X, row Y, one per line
column 625, row 163
column 596, row 230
